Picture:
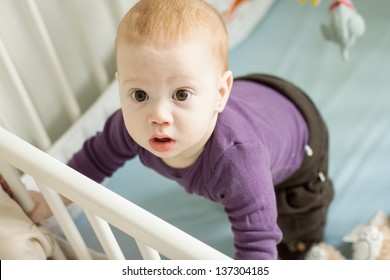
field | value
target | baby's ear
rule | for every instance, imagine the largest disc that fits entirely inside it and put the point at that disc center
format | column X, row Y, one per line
column 225, row 86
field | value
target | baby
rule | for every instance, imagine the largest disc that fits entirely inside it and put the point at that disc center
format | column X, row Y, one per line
column 257, row 145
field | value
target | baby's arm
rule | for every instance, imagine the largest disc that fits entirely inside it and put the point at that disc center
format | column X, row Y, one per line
column 104, row 153
column 243, row 185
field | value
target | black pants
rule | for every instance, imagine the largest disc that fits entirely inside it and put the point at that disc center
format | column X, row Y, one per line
column 303, row 198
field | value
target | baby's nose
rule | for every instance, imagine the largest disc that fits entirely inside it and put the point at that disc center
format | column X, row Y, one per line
column 160, row 114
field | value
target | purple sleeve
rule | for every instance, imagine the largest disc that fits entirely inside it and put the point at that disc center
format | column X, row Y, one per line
column 105, row 152
column 242, row 182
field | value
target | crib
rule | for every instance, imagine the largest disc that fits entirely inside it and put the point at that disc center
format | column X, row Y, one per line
column 68, row 47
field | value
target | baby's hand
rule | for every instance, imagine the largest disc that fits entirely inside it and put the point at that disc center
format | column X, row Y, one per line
column 41, row 210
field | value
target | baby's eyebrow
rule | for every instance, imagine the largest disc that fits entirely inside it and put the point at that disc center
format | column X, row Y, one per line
column 182, row 78
column 133, row 80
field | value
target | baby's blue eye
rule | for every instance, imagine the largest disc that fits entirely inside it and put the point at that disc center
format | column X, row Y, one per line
column 181, row 95
column 140, row 96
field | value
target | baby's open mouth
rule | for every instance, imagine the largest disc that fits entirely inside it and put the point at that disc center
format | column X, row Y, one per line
column 162, row 139
column 162, row 144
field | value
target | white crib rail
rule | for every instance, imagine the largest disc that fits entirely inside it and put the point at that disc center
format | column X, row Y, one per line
column 97, row 66
column 12, row 177
column 150, row 232
column 106, row 237
column 68, row 97
column 65, row 221
column 38, row 128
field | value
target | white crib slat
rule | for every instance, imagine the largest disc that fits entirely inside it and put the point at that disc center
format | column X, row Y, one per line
column 94, row 61
column 12, row 176
column 68, row 97
column 65, row 222
column 38, row 129
column 106, row 237
column 147, row 253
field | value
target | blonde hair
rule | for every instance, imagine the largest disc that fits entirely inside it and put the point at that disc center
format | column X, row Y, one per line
column 168, row 22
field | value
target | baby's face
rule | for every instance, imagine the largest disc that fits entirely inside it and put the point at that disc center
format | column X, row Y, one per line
column 170, row 98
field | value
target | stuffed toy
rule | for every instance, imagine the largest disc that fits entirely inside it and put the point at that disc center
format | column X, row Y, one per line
column 369, row 242
column 20, row 238
column 344, row 27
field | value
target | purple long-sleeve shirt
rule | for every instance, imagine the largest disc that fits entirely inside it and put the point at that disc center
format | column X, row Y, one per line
column 258, row 141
